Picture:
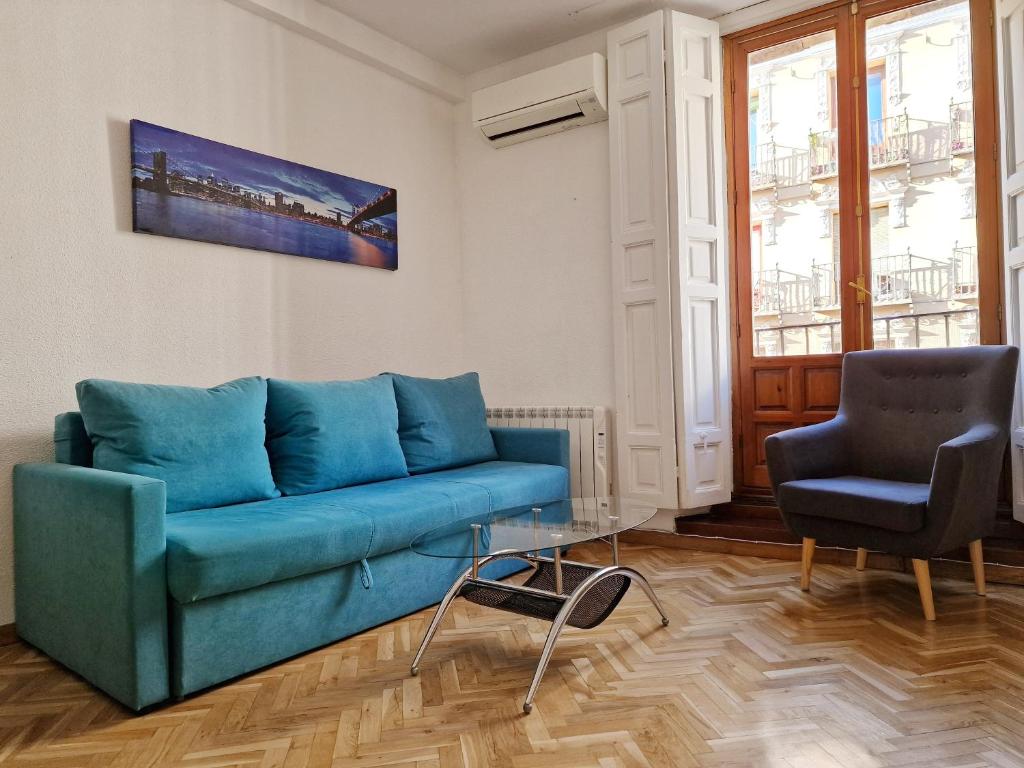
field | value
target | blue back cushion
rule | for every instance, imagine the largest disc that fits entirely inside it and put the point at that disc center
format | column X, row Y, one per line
column 442, row 423
column 71, row 443
column 330, row 434
column 206, row 444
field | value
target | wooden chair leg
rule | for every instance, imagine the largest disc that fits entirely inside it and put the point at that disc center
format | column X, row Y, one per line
column 924, row 587
column 806, row 559
column 978, row 564
column 862, row 559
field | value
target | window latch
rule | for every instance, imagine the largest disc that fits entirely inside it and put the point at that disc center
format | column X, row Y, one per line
column 861, row 290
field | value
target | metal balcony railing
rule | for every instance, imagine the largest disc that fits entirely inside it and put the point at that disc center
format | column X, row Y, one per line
column 824, row 154
column 906, row 277
column 782, row 291
column 889, row 140
column 897, row 278
column 951, row 328
column 800, row 339
column 774, row 164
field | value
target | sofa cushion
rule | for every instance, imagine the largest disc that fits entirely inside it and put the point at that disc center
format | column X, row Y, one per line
column 216, row 551
column 206, row 444
column 511, row 483
column 442, row 422
column 71, row 443
column 329, row 434
column 888, row 504
column 402, row 509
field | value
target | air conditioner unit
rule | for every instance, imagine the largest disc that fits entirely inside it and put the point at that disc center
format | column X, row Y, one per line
column 550, row 100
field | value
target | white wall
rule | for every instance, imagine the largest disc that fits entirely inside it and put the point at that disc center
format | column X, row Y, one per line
column 81, row 295
column 536, row 254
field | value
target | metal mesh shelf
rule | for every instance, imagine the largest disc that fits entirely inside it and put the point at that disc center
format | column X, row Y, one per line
column 593, row 607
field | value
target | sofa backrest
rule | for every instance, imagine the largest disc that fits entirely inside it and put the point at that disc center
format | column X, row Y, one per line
column 901, row 405
column 71, row 442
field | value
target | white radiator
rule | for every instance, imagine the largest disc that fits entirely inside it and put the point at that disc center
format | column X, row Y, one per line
column 589, row 440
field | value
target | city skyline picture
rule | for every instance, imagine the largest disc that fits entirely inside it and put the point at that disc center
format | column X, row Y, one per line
column 189, row 187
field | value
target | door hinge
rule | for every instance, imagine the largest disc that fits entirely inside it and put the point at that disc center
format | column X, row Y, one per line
column 995, row 152
column 859, row 211
column 856, row 82
column 999, row 312
column 732, row 86
column 854, row 9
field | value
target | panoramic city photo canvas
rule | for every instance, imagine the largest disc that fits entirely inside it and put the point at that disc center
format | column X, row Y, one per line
column 189, row 187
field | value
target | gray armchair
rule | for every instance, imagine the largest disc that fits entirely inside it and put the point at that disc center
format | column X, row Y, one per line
column 910, row 465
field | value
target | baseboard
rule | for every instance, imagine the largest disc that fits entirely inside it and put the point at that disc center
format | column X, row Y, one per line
column 8, row 634
column 953, row 569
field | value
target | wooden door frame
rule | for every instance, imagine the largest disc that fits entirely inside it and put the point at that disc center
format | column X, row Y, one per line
column 849, row 20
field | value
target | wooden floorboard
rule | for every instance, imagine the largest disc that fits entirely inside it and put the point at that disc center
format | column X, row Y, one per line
column 751, row 672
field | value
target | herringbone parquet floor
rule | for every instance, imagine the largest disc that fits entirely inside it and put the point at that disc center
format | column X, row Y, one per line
column 752, row 672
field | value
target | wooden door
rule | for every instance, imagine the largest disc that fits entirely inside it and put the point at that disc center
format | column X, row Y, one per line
column 796, row 309
column 896, row 164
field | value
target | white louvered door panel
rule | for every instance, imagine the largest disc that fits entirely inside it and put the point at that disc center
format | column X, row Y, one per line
column 697, row 224
column 1010, row 69
column 641, row 284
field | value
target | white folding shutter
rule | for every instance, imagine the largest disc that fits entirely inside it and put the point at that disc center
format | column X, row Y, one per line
column 1010, row 59
column 641, row 289
column 697, row 225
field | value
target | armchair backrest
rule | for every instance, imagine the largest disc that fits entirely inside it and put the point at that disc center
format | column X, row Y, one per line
column 901, row 405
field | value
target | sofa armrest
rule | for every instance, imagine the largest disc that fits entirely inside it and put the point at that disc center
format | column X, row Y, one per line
column 532, row 445
column 818, row 450
column 90, row 575
column 964, row 487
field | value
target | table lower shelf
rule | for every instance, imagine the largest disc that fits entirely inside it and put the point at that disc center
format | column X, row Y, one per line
column 593, row 607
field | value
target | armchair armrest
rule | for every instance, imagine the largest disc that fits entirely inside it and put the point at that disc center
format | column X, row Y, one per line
column 964, row 487
column 91, row 588
column 817, row 450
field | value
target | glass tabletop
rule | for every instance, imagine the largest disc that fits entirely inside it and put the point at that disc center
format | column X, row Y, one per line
column 529, row 529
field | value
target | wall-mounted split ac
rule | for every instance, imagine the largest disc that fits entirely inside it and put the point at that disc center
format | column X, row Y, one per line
column 547, row 101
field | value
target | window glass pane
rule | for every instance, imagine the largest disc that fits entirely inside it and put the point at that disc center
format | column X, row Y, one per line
column 924, row 263
column 794, row 198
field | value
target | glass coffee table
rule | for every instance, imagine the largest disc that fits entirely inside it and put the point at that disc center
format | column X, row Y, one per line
column 557, row 590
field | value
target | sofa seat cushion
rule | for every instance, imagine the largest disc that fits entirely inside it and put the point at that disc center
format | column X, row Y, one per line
column 216, row 551
column 402, row 509
column 511, row 483
column 888, row 504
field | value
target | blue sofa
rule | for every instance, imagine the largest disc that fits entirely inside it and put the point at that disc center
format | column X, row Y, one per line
column 148, row 605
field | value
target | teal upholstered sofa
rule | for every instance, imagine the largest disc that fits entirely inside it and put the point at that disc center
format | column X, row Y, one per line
column 148, row 604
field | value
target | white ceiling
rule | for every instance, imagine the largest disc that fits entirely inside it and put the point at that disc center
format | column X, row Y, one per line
column 471, row 35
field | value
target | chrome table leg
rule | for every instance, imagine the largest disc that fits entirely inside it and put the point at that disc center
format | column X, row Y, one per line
column 563, row 617
column 471, row 572
column 442, row 609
